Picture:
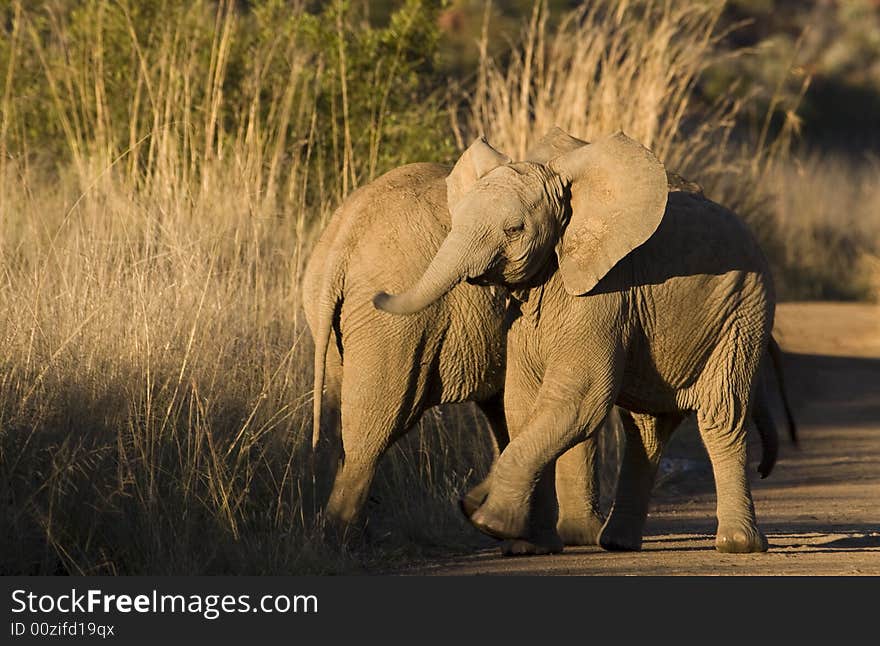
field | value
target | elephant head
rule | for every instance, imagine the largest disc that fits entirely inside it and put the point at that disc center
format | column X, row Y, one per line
column 589, row 207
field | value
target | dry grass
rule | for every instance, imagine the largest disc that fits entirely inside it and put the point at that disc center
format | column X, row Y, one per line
column 149, row 349
column 827, row 216
column 609, row 66
column 154, row 364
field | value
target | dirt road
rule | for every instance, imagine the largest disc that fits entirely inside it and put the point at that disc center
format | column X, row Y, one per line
column 820, row 507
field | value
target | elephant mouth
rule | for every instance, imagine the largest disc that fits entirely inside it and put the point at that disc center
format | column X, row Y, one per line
column 498, row 275
column 492, row 273
column 481, row 281
column 510, row 274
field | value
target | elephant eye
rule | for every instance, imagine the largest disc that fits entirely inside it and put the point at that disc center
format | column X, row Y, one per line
column 512, row 228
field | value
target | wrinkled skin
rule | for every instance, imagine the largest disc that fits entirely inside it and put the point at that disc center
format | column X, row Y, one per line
column 379, row 373
column 660, row 302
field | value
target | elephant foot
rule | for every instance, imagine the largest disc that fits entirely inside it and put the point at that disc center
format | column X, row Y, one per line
column 621, row 535
column 740, row 538
column 472, row 500
column 580, row 531
column 499, row 523
column 518, row 547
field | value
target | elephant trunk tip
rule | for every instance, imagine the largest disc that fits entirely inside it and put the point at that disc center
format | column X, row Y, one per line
column 447, row 268
column 392, row 304
column 380, row 301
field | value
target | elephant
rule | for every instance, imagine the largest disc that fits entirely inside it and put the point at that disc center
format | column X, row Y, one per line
column 622, row 292
column 381, row 372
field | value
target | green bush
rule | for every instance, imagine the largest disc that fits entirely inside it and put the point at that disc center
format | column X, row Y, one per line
column 91, row 78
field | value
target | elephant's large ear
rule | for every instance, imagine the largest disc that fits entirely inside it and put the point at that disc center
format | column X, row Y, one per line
column 475, row 162
column 553, row 144
column 618, row 197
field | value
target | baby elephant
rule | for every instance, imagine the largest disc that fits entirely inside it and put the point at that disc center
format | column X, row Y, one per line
column 381, row 372
column 626, row 293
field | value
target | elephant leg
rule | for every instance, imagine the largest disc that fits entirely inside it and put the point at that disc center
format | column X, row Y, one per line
column 539, row 536
column 364, row 444
column 577, row 490
column 522, row 388
column 645, row 438
column 493, row 409
column 349, row 494
column 721, row 418
column 576, row 486
column 542, row 536
column 737, row 526
column 370, row 424
column 564, row 414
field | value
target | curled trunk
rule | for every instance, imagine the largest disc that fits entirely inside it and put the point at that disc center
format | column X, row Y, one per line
column 448, row 268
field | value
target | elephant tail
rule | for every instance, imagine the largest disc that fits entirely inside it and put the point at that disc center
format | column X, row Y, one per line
column 330, row 297
column 763, row 419
column 776, row 358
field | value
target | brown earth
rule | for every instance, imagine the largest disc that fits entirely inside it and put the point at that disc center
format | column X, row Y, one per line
column 820, row 508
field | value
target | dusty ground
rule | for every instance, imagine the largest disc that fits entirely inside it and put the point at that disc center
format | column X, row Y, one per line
column 820, row 507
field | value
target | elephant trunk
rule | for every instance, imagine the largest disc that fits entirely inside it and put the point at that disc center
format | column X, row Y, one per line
column 450, row 265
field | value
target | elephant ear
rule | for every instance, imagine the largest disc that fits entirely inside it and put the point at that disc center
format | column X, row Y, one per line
column 475, row 162
column 553, row 144
column 618, row 197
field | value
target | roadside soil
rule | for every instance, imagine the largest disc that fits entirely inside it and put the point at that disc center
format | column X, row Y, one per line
column 820, row 508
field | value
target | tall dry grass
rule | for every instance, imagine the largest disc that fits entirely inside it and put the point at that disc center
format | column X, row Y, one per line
column 154, row 365
column 827, row 215
column 607, row 66
column 150, row 346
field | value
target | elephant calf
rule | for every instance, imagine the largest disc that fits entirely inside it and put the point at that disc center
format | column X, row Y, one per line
column 381, row 372
column 626, row 293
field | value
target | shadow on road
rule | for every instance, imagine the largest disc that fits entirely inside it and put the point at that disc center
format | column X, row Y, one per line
column 833, row 391
column 793, row 537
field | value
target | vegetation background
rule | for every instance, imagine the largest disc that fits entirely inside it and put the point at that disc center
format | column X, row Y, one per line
column 165, row 166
